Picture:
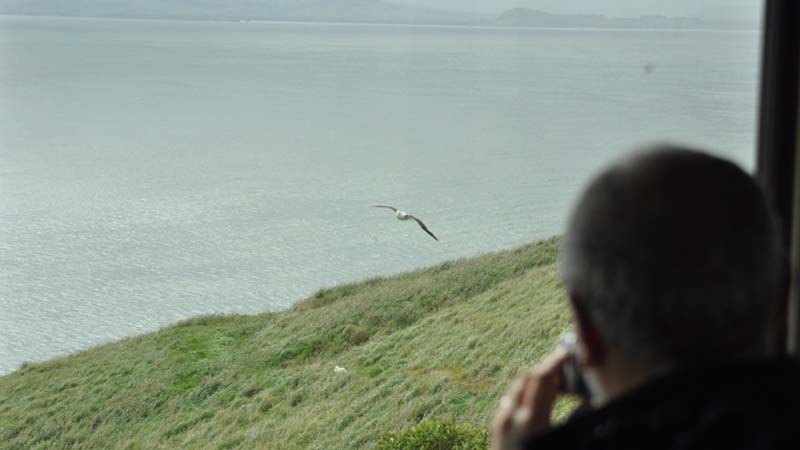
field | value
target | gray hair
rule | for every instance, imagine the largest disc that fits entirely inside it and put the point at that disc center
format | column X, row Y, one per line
column 675, row 257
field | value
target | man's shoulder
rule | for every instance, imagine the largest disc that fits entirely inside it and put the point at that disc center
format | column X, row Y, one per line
column 744, row 405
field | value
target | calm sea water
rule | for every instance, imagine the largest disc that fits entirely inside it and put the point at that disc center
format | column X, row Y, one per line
column 151, row 171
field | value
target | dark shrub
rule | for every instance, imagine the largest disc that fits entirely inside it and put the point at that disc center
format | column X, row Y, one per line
column 436, row 435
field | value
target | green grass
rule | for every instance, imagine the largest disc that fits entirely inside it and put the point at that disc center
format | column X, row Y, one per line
column 442, row 342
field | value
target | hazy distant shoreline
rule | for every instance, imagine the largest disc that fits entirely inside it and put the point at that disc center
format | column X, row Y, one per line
column 511, row 19
column 387, row 24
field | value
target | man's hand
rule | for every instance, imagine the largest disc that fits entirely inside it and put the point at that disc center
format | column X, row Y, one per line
column 527, row 406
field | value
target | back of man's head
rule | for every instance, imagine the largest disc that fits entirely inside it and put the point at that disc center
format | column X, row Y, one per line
column 675, row 258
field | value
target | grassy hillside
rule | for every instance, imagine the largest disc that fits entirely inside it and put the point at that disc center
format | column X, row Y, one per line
column 441, row 342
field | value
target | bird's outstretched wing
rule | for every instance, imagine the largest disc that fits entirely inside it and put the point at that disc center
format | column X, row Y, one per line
column 384, row 206
column 422, row 225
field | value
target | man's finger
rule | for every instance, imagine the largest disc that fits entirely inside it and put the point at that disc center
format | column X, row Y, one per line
column 552, row 363
column 527, row 400
column 508, row 404
column 502, row 420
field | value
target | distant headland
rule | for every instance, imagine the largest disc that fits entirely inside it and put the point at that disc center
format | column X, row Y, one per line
column 348, row 11
column 525, row 17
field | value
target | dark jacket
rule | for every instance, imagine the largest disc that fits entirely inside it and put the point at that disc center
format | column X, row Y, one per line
column 745, row 405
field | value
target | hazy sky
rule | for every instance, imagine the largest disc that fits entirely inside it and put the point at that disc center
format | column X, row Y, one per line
column 625, row 8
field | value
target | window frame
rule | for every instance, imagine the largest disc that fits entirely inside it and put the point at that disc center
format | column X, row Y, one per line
column 777, row 163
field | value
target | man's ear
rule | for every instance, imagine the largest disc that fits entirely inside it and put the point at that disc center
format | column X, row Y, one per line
column 592, row 345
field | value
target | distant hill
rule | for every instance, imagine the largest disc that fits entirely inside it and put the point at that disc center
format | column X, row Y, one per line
column 441, row 342
column 536, row 18
column 526, row 17
column 362, row 11
column 377, row 11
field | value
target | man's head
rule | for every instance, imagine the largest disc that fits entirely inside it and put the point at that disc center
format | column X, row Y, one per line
column 673, row 258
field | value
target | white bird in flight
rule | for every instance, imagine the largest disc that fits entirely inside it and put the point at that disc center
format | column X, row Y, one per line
column 401, row 215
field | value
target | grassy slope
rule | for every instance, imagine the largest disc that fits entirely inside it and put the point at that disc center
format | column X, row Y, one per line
column 438, row 342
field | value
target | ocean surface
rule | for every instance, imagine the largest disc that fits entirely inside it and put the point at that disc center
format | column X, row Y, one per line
column 151, row 171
